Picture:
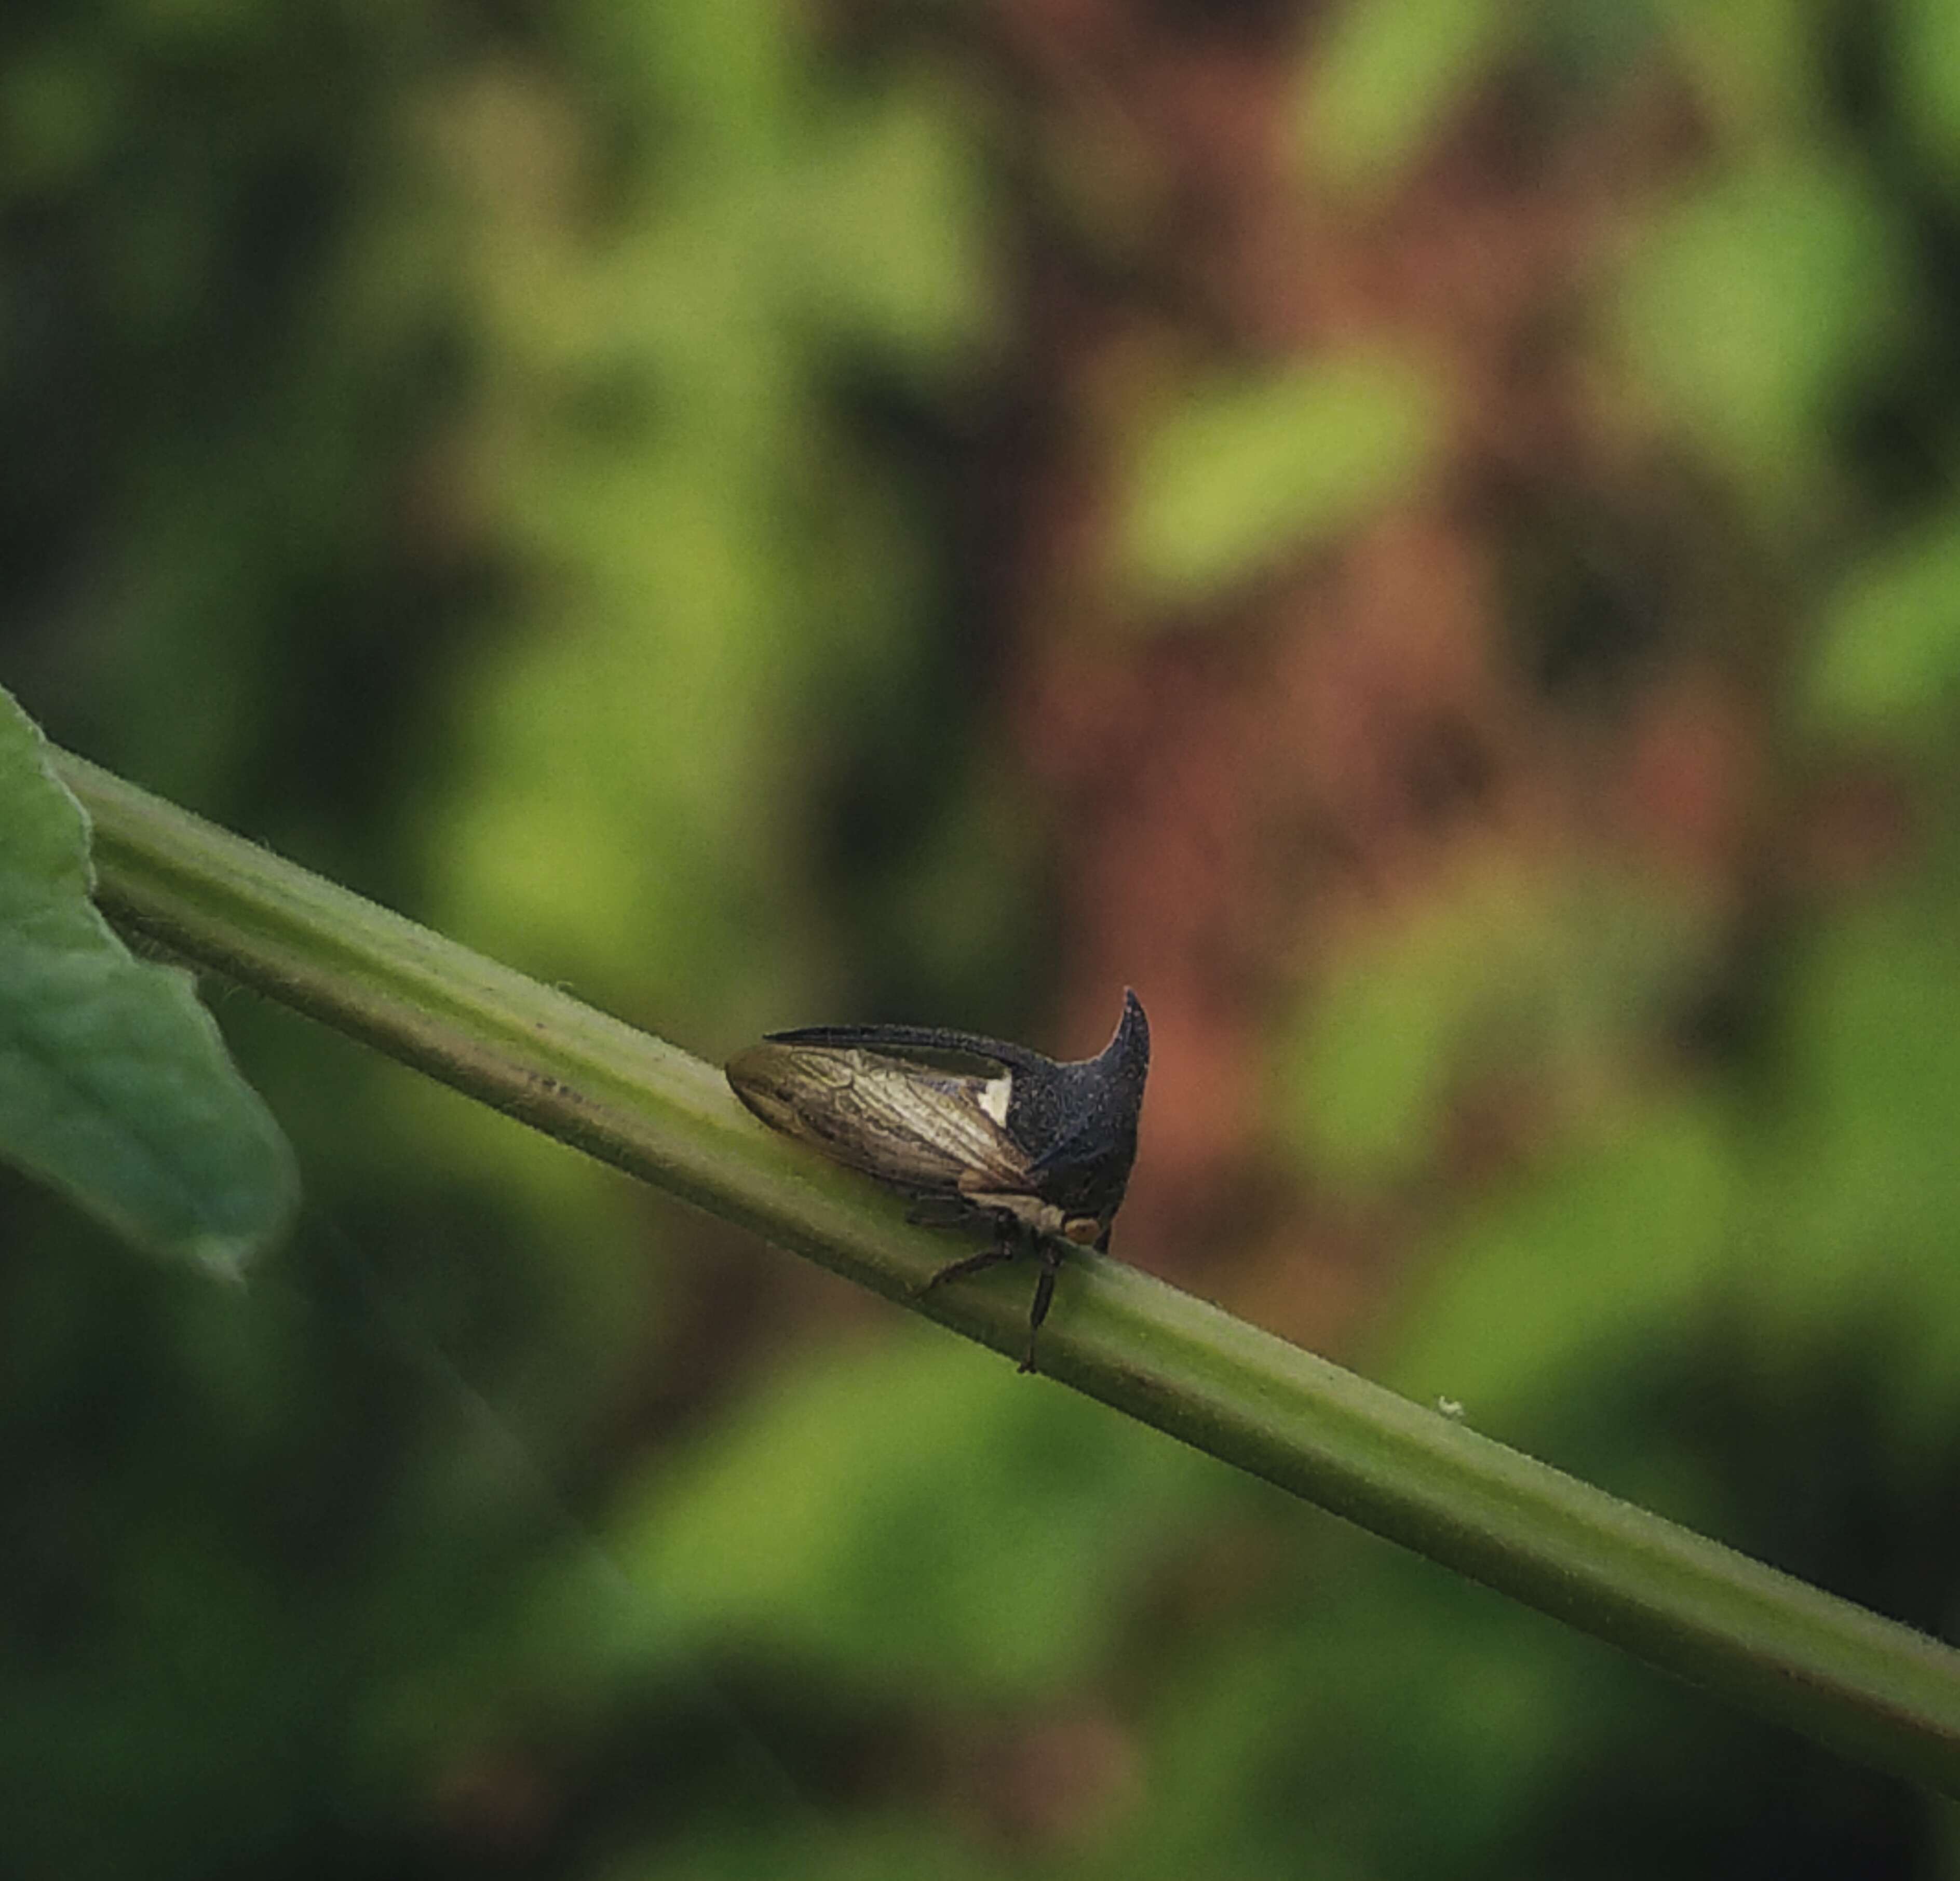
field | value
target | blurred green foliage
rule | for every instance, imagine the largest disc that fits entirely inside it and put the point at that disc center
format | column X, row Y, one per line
column 1239, row 475
column 1538, row 978
column 1371, row 102
column 1887, row 654
column 817, row 1524
column 505, row 458
column 1763, row 305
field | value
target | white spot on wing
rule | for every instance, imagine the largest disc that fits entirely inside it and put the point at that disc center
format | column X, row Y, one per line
column 994, row 1096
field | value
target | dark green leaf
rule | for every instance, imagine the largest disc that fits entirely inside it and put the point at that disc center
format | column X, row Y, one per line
column 115, row 1085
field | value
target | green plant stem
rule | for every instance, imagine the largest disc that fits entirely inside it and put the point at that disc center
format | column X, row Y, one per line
column 1789, row 1652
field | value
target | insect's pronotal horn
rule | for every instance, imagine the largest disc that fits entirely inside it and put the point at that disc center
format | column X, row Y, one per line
column 1130, row 1045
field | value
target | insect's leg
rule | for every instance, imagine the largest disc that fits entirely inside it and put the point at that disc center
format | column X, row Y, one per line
column 1003, row 1249
column 1051, row 1260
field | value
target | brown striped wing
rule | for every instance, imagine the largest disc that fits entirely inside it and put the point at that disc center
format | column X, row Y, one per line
column 913, row 1126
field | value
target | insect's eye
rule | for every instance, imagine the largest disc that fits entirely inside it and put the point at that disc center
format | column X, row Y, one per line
column 1081, row 1228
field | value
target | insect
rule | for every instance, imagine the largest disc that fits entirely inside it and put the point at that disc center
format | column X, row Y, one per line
column 973, row 1128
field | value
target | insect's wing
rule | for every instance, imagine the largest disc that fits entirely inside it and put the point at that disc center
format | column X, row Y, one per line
column 918, row 1129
